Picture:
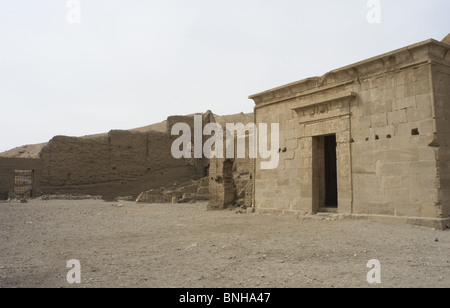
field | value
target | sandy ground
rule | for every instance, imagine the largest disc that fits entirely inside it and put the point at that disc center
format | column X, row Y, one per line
column 139, row 245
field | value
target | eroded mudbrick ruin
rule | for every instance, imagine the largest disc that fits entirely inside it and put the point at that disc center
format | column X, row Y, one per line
column 134, row 163
column 368, row 140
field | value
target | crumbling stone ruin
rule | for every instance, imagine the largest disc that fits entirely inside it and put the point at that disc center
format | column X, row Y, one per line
column 231, row 179
column 367, row 140
column 120, row 163
column 187, row 192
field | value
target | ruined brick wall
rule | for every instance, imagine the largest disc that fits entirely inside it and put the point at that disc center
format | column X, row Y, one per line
column 382, row 113
column 121, row 163
column 231, row 179
column 7, row 168
column 222, row 190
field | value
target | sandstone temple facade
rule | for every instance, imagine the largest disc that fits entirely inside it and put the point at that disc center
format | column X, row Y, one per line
column 369, row 140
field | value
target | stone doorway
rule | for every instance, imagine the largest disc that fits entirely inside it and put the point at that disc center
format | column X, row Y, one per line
column 331, row 191
column 325, row 179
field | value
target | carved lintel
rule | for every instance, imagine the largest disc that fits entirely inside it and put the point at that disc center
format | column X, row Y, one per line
column 311, row 106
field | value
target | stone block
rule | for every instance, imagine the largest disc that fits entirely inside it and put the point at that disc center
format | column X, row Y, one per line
column 367, row 182
column 429, row 181
column 344, row 184
column 283, row 182
column 399, row 155
column 345, row 206
column 398, row 195
column 423, row 195
column 422, row 87
column 299, row 132
column 360, row 207
column 362, row 196
column 400, row 91
column 305, row 193
column 289, row 134
column 345, row 194
column 406, row 102
column 292, row 164
column 410, row 89
column 397, row 117
column 393, row 169
column 381, row 208
column 408, row 209
column 410, row 181
column 383, row 106
column 404, row 129
column 292, row 144
column 422, row 73
column 414, row 115
column 429, row 210
column 288, row 155
column 423, row 167
column 423, row 100
column 427, row 126
column 383, row 131
column 379, row 120
column 391, row 182
column 378, row 195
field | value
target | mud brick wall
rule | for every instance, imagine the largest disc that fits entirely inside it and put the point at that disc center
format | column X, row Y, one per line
column 122, row 163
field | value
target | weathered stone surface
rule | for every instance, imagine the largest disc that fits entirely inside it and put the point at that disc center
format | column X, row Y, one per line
column 391, row 120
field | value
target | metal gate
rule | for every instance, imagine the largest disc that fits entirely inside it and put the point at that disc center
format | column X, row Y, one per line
column 23, row 183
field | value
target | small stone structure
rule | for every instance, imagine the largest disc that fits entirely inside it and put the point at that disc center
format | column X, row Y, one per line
column 369, row 140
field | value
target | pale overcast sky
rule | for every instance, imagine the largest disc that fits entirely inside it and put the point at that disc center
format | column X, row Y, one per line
column 132, row 63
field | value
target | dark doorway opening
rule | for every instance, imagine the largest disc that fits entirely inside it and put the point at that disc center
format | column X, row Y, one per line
column 330, row 160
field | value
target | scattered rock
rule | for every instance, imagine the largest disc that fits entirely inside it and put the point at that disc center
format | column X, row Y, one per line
column 71, row 197
column 128, row 198
column 186, row 192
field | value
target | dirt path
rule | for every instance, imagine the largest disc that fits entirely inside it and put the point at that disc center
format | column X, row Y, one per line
column 185, row 246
